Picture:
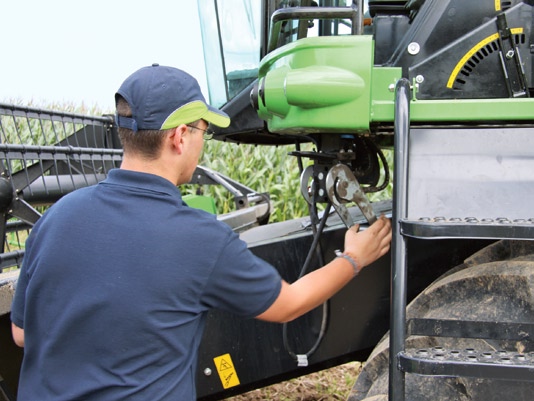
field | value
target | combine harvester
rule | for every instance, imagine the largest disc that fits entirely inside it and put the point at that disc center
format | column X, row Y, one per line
column 446, row 86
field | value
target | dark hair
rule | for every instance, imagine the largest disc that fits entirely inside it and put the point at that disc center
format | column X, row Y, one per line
column 144, row 143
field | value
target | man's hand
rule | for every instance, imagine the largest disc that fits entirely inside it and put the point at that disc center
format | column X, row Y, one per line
column 367, row 246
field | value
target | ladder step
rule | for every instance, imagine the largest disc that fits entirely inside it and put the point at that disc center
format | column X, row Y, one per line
column 438, row 361
column 469, row 227
column 511, row 331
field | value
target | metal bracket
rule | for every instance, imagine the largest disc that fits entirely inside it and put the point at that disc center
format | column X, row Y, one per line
column 512, row 65
column 343, row 187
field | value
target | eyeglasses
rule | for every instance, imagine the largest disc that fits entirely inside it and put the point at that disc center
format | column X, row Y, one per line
column 208, row 134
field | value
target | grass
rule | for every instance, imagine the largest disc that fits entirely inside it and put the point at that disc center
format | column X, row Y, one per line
column 327, row 385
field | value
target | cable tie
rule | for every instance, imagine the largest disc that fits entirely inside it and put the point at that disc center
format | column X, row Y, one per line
column 302, row 360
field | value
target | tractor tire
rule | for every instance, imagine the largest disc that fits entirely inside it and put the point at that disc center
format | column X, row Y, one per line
column 483, row 288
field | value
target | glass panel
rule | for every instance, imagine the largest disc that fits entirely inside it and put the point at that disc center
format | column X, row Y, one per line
column 207, row 12
column 231, row 37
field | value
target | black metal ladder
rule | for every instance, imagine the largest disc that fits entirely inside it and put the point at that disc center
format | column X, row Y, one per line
column 418, row 198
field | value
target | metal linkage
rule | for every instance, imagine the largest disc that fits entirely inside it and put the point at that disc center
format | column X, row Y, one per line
column 342, row 187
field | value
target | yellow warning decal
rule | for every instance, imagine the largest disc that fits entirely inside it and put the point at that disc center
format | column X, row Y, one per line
column 472, row 51
column 226, row 370
column 497, row 5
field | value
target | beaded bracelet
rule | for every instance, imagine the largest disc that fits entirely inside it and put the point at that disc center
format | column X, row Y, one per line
column 346, row 256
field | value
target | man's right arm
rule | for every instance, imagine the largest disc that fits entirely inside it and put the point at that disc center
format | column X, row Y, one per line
column 314, row 288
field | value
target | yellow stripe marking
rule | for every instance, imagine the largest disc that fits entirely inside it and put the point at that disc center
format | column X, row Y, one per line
column 472, row 51
column 497, row 5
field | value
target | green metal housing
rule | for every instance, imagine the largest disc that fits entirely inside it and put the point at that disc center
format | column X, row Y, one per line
column 330, row 85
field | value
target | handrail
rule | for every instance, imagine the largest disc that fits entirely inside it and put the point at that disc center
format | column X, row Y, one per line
column 354, row 13
column 398, row 250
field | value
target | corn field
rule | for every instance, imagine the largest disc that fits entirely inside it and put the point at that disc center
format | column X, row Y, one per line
column 264, row 169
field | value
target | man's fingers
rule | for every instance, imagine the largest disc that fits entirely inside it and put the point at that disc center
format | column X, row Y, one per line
column 382, row 226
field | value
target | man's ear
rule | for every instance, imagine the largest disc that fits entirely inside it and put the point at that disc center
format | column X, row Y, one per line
column 176, row 138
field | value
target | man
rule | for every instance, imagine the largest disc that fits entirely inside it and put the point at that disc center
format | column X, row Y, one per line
column 118, row 277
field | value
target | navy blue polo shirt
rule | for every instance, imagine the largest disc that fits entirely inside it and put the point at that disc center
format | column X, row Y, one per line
column 114, row 289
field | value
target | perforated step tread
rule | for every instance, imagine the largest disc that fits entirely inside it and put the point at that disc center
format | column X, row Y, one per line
column 469, row 362
column 469, row 227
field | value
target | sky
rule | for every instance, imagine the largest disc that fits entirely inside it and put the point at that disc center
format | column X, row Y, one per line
column 80, row 51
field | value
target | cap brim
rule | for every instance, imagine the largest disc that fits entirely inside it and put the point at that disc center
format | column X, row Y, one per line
column 217, row 117
column 196, row 110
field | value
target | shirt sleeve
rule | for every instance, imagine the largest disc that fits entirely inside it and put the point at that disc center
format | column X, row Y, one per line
column 241, row 282
column 18, row 306
column 19, row 300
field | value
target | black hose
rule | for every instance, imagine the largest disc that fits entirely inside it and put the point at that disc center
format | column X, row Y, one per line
column 315, row 247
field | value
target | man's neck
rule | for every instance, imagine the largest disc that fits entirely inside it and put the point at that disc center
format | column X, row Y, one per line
column 156, row 167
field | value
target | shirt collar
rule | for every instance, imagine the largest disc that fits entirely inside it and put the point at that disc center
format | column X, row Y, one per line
column 138, row 180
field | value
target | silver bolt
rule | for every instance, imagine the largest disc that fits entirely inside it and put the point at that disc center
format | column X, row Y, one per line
column 510, row 54
column 419, row 79
column 207, row 372
column 414, row 48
